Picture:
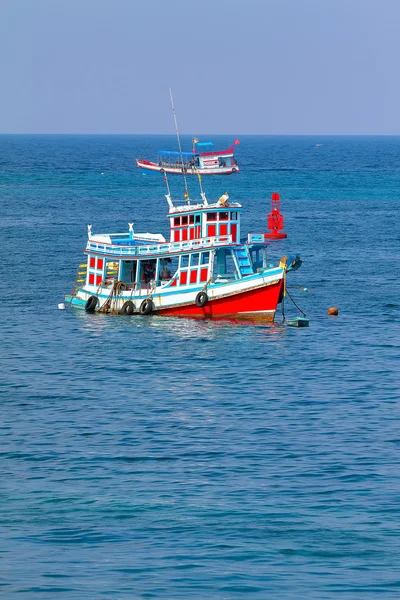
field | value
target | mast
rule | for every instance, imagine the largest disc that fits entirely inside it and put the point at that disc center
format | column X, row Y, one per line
column 180, row 148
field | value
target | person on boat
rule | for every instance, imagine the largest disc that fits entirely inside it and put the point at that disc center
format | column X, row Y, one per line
column 165, row 272
column 148, row 273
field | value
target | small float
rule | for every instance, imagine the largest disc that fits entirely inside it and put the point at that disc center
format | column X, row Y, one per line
column 206, row 268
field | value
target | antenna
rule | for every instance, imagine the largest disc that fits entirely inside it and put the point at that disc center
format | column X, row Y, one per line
column 168, row 196
column 180, row 148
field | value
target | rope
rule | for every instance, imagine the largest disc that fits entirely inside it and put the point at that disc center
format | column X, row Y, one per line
column 298, row 308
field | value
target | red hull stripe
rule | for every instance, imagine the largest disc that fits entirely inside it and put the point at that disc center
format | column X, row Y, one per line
column 262, row 301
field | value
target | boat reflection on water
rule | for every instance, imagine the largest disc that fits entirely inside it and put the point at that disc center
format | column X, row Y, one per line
column 180, row 328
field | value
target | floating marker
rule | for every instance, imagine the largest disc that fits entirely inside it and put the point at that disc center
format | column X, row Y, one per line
column 275, row 220
column 61, row 306
column 333, row 310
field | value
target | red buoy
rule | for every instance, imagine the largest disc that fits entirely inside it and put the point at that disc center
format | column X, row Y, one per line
column 275, row 220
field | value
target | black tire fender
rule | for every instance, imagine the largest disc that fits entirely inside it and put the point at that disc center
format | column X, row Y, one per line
column 91, row 304
column 146, row 308
column 128, row 308
column 201, row 299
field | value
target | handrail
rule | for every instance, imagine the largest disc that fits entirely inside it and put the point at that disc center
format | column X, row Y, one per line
column 167, row 247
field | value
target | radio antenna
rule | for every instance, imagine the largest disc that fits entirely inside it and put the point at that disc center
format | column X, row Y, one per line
column 180, row 148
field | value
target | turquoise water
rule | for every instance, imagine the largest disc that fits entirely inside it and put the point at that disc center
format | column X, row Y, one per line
column 144, row 457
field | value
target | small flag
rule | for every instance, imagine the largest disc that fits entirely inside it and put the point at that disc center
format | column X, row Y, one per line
column 236, row 142
column 186, row 195
column 195, row 141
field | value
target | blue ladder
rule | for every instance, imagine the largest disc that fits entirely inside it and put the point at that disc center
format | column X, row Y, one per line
column 243, row 259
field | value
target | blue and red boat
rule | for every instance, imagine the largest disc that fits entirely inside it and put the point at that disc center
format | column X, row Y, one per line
column 205, row 269
column 203, row 160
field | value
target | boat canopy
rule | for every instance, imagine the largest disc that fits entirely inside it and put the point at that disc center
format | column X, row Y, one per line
column 204, row 144
column 173, row 153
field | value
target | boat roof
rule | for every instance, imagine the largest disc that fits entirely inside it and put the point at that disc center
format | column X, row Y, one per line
column 201, row 144
column 174, row 153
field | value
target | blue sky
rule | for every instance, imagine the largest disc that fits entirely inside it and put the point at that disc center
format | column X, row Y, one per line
column 235, row 66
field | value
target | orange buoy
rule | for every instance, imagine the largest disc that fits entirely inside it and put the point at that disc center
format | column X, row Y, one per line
column 333, row 311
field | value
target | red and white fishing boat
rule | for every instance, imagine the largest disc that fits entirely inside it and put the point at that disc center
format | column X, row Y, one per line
column 203, row 160
column 206, row 269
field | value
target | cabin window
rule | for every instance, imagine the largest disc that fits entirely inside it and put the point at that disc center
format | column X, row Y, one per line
column 147, row 270
column 167, row 270
column 205, row 258
column 177, row 221
column 233, row 216
column 191, row 219
column 223, row 216
column 184, row 261
column 211, row 216
column 224, row 265
column 197, row 218
column 184, row 220
column 194, row 260
column 127, row 274
column 112, row 270
column 92, row 262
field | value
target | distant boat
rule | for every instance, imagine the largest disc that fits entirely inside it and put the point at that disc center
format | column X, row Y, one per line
column 203, row 160
column 318, row 145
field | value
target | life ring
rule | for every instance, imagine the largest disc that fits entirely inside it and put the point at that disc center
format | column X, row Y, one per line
column 201, row 299
column 91, row 303
column 146, row 307
column 128, row 308
column 162, row 170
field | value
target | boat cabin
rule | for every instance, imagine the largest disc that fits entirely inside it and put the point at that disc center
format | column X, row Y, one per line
column 204, row 245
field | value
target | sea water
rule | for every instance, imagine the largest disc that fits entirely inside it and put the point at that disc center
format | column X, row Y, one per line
column 147, row 457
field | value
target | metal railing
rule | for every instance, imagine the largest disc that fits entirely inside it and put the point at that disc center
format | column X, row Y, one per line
column 164, row 248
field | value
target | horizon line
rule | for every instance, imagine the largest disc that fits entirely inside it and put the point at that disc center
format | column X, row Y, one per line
column 218, row 134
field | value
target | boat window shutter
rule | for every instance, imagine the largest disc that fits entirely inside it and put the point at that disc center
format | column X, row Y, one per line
column 184, row 234
column 203, row 275
column 233, row 231
column 223, row 229
column 211, row 231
